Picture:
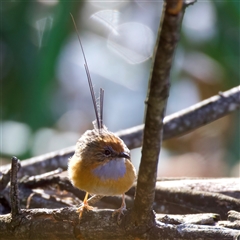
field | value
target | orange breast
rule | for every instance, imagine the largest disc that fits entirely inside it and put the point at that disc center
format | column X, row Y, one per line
column 86, row 179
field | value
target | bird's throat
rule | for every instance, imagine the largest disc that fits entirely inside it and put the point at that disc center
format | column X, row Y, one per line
column 111, row 170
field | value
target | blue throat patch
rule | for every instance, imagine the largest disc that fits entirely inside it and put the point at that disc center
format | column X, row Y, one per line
column 112, row 170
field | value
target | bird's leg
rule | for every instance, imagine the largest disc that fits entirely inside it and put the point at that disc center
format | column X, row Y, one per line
column 84, row 206
column 121, row 209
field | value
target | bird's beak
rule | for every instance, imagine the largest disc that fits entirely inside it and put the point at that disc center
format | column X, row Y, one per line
column 124, row 155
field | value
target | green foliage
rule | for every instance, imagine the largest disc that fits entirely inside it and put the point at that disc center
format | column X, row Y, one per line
column 32, row 49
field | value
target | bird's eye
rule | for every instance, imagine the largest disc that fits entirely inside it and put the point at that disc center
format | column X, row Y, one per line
column 107, row 152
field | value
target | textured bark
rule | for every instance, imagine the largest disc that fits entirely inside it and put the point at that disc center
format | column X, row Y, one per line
column 142, row 217
column 172, row 196
column 182, row 201
column 14, row 187
column 181, row 196
column 65, row 224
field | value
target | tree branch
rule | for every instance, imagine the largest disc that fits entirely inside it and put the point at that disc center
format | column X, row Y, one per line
column 175, row 196
column 174, row 125
column 182, row 201
column 167, row 39
column 64, row 224
column 182, row 195
column 190, row 118
column 15, row 207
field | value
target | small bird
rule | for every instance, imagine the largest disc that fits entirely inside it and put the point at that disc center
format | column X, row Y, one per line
column 101, row 163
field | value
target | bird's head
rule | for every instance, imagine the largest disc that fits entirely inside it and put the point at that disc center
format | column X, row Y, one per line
column 99, row 147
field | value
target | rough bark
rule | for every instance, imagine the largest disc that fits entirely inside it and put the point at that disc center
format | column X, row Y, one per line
column 172, row 196
column 142, row 217
column 64, row 224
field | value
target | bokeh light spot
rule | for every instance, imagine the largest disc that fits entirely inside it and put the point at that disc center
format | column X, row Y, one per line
column 133, row 41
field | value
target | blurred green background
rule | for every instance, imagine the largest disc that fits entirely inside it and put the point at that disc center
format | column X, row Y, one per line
column 45, row 101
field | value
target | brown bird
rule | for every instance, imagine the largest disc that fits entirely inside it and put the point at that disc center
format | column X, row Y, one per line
column 101, row 163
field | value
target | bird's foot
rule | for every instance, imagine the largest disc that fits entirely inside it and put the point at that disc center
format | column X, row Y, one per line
column 119, row 212
column 84, row 206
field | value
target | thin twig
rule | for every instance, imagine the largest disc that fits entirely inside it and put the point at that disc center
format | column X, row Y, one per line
column 45, row 175
column 44, row 163
column 167, row 39
column 202, row 113
column 4, row 179
column 62, row 183
column 190, row 118
column 15, row 206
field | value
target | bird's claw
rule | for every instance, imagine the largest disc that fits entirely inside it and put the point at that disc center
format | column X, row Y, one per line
column 81, row 208
column 119, row 212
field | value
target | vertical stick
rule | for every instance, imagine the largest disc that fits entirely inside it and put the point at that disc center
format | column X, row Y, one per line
column 15, row 206
column 158, row 92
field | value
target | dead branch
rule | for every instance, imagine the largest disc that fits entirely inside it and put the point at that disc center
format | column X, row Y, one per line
column 174, row 125
column 64, row 224
column 180, row 196
column 15, row 208
column 158, row 91
column 233, row 220
column 227, row 186
column 182, row 201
